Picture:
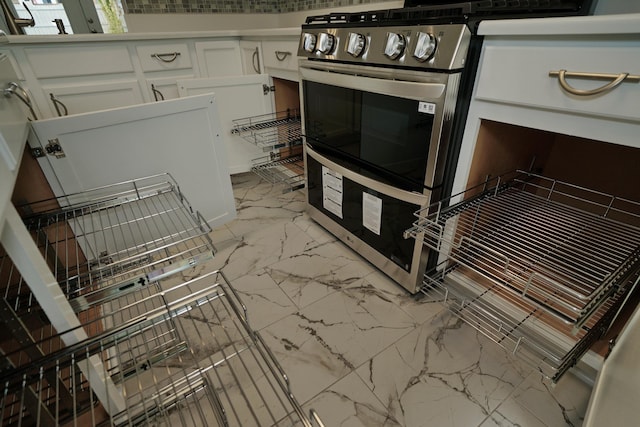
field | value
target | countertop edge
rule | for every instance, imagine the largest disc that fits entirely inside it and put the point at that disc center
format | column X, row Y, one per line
column 80, row 38
column 588, row 25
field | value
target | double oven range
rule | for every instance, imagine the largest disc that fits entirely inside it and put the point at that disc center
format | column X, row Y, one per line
column 384, row 98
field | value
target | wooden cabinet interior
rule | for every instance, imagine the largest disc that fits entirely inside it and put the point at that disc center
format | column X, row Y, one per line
column 604, row 167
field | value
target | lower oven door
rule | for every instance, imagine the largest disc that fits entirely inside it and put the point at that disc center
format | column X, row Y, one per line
column 368, row 216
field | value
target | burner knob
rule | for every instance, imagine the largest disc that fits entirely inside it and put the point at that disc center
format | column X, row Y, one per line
column 395, row 45
column 309, row 42
column 356, row 44
column 326, row 43
column 425, row 46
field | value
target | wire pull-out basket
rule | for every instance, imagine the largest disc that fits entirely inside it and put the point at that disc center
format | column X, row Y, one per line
column 538, row 265
column 190, row 359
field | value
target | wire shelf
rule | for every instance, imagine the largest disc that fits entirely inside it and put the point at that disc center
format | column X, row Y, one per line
column 563, row 248
column 190, row 359
column 288, row 171
column 518, row 326
column 111, row 240
column 271, row 131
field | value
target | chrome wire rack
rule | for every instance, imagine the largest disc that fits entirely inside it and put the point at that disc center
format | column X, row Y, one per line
column 184, row 356
column 563, row 248
column 271, row 131
column 113, row 239
column 288, row 171
column 539, row 266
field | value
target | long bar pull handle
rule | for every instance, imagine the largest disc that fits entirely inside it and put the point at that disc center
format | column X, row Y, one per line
column 156, row 93
column 166, row 57
column 15, row 89
column 255, row 60
column 616, row 79
column 58, row 105
column 281, row 56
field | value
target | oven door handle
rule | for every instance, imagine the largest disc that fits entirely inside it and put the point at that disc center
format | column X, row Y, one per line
column 389, row 190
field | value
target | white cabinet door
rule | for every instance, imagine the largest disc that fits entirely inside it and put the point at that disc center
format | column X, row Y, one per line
column 238, row 97
column 219, row 58
column 181, row 137
column 68, row 99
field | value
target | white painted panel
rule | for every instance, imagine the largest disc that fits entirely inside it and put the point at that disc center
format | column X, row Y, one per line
column 219, row 58
column 182, row 137
column 238, row 97
column 79, row 60
column 81, row 98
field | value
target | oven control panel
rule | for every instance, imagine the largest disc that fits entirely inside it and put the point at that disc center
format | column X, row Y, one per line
column 437, row 47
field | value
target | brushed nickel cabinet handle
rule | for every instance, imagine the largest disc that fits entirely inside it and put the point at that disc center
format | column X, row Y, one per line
column 616, row 79
column 166, row 57
column 255, row 60
column 18, row 91
column 156, row 93
column 281, row 56
column 58, row 104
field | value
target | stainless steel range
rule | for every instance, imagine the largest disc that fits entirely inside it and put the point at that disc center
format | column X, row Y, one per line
column 384, row 100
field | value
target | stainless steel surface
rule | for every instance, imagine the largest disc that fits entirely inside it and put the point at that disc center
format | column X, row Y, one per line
column 518, row 326
column 112, row 240
column 288, row 170
column 166, row 57
column 436, row 88
column 14, row 89
column 410, row 280
column 173, row 368
column 528, row 237
column 452, row 43
column 539, row 266
column 270, row 131
column 61, row 109
column 16, row 24
column 616, row 79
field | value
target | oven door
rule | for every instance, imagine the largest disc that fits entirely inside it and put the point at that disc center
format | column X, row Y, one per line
column 386, row 124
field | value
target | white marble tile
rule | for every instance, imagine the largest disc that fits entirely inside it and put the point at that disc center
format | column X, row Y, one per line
column 266, row 302
column 444, row 372
column 318, row 272
column 417, row 306
column 350, row 403
column 510, row 414
column 313, row 229
column 308, row 361
column 564, row 404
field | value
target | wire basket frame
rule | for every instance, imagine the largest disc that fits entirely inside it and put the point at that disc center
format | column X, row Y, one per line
column 218, row 372
column 563, row 248
column 271, row 131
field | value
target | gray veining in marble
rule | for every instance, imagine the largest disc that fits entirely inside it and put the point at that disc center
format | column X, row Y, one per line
column 358, row 348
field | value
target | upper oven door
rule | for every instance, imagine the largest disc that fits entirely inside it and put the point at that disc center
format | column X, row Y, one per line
column 389, row 125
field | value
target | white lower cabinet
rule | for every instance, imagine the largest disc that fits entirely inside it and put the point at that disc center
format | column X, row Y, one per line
column 181, row 137
column 239, row 97
column 219, row 58
column 67, row 99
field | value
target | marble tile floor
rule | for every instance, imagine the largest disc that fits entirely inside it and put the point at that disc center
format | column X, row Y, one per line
column 358, row 348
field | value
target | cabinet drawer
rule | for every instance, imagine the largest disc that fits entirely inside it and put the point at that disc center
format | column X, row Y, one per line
column 282, row 54
column 158, row 57
column 520, row 75
column 79, row 60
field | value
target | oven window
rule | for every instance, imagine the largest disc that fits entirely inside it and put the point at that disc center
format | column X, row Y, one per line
column 384, row 135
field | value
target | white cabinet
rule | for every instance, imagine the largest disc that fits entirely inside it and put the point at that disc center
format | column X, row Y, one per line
column 70, row 98
column 219, row 58
column 251, row 55
column 240, row 97
column 164, row 56
column 181, row 137
column 281, row 58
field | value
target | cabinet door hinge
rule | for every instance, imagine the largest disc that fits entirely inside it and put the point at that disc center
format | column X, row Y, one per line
column 37, row 152
column 266, row 89
column 53, row 148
